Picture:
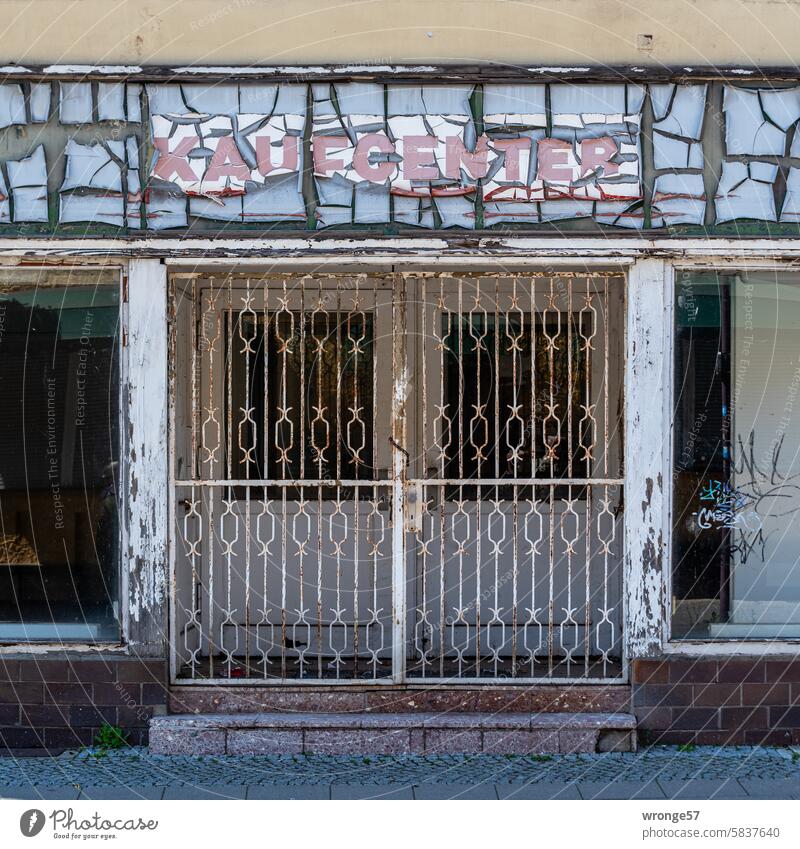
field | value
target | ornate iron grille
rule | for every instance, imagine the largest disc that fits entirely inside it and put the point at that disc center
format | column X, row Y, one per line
column 395, row 477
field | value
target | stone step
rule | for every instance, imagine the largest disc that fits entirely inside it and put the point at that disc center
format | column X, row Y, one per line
column 391, row 733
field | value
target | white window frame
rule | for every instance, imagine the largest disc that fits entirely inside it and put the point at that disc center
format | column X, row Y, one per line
column 706, row 647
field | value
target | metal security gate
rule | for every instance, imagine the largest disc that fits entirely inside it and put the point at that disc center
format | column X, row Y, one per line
column 386, row 478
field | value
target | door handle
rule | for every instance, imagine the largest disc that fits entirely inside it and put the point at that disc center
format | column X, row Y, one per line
column 395, row 444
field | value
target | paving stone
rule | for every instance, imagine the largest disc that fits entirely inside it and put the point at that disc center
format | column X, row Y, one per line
column 289, row 791
column 371, row 791
column 538, row 790
column 215, row 791
column 455, row 791
column 703, row 789
column 134, row 767
column 121, row 793
column 755, row 789
column 55, row 793
column 620, row 790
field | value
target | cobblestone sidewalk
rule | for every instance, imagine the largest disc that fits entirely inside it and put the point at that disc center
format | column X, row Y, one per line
column 656, row 772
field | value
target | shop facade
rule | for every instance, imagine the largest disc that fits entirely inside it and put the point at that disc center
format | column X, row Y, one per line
column 395, row 389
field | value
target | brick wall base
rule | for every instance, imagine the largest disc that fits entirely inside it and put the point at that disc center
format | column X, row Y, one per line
column 58, row 702
column 722, row 701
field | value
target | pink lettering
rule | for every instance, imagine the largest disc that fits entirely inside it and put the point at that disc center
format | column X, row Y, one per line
column 596, row 153
column 320, row 145
column 476, row 162
column 227, row 161
column 418, row 160
column 374, row 172
column 291, row 154
column 512, row 149
column 553, row 157
column 174, row 163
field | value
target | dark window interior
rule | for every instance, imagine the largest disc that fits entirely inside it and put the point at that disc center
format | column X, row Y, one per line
column 59, row 451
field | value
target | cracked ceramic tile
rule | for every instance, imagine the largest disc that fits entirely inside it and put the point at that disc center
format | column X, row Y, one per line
column 749, row 129
column 421, row 149
column 211, row 98
column 746, row 191
column 216, row 158
column 351, row 151
column 515, row 121
column 678, row 199
column 589, row 164
column 5, row 205
column 678, row 113
column 101, row 183
column 40, row 102
column 28, row 183
column 678, row 196
column 790, row 211
column 133, row 102
column 111, row 102
column 75, row 103
column 679, row 109
column 440, row 157
column 12, row 105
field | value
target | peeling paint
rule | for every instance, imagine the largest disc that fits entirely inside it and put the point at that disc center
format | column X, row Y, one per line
column 644, row 434
column 146, row 506
column 423, row 154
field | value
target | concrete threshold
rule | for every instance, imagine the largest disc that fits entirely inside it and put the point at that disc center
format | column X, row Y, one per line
column 391, row 733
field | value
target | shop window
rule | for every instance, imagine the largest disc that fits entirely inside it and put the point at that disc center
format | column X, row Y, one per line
column 736, row 464
column 59, row 455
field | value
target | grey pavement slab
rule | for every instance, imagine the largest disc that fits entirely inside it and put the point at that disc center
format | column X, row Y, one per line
column 121, row 793
column 29, row 791
column 755, row 789
column 620, row 790
column 456, row 774
column 538, row 790
column 216, row 791
column 289, row 791
column 699, row 788
column 455, row 791
column 371, row 791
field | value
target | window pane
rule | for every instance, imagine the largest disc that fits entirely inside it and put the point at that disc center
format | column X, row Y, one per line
column 310, row 386
column 736, row 538
column 59, row 451
column 491, row 380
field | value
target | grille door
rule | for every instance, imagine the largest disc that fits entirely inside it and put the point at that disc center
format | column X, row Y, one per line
column 382, row 478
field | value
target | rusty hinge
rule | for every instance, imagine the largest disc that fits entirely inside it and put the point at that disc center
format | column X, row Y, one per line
column 124, row 337
column 124, row 288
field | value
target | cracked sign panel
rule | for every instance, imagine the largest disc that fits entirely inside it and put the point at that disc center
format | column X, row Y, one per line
column 221, row 156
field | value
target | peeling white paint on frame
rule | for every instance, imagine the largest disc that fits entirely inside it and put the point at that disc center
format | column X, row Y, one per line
column 145, row 452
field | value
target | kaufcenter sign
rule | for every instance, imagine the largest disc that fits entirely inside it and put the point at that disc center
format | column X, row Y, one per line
column 221, row 155
column 187, row 154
